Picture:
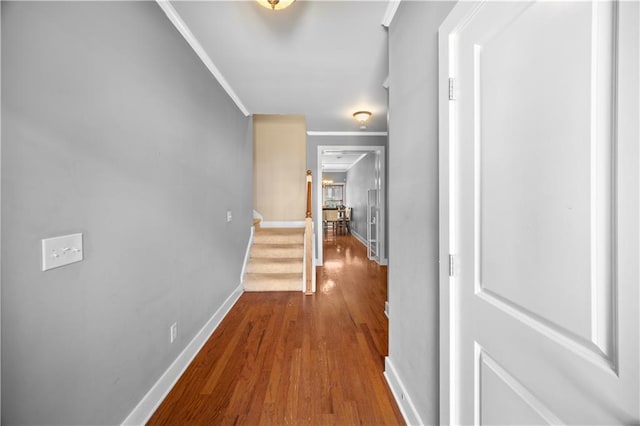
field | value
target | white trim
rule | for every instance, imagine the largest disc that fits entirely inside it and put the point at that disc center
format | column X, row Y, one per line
column 363, row 241
column 338, row 133
column 246, row 255
column 183, row 29
column 360, row 238
column 390, row 13
column 150, row 402
column 407, row 408
column 283, row 224
column 448, row 403
column 304, row 258
column 315, row 260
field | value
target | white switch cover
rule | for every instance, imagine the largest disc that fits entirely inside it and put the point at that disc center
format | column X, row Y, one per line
column 229, row 216
column 60, row 251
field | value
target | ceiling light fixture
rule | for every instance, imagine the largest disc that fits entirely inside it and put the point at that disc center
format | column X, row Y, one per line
column 362, row 117
column 275, row 4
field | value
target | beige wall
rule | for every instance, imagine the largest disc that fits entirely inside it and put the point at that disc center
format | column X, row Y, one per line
column 279, row 167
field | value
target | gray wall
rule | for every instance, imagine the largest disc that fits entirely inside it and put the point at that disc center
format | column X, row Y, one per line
column 413, row 200
column 360, row 178
column 114, row 128
column 338, row 177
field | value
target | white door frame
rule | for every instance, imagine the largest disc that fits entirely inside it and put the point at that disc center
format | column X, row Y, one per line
column 382, row 187
column 447, row 187
column 628, row 95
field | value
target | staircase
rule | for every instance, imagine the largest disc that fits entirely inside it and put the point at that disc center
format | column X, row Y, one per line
column 275, row 261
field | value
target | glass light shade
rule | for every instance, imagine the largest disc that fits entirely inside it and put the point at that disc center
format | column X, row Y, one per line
column 275, row 4
column 362, row 116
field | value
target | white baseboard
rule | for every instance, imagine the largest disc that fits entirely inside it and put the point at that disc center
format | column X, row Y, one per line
column 408, row 410
column 150, row 402
column 383, row 262
column 246, row 255
column 284, row 224
column 359, row 238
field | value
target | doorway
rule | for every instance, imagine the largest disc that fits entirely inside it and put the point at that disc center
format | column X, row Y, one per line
column 363, row 208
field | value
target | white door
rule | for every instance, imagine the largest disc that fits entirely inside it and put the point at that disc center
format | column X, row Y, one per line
column 539, row 208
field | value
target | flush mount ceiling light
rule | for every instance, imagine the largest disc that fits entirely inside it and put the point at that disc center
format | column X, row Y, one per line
column 275, row 4
column 362, row 117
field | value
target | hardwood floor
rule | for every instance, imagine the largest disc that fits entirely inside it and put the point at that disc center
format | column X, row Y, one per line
column 285, row 358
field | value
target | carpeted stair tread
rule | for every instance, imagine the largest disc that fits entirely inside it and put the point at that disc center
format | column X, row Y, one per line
column 274, row 265
column 279, row 236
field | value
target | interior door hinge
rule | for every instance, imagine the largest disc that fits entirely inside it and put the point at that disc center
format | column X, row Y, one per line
column 451, row 265
column 452, row 93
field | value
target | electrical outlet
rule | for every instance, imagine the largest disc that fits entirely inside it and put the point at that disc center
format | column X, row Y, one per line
column 173, row 331
column 229, row 216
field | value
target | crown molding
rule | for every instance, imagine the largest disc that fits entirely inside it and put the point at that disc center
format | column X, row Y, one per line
column 392, row 8
column 316, row 133
column 183, row 29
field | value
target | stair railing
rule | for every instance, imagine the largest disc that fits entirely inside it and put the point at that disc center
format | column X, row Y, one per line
column 308, row 232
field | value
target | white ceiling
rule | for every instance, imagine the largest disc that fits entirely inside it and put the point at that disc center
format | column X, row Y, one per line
column 319, row 58
column 336, row 160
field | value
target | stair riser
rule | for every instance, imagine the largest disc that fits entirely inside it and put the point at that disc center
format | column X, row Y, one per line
column 277, row 239
column 277, row 268
column 276, row 285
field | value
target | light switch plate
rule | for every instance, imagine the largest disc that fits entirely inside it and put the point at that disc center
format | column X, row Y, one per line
column 229, row 216
column 60, row 251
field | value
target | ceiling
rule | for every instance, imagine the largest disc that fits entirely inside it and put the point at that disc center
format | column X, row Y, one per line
column 319, row 58
column 337, row 160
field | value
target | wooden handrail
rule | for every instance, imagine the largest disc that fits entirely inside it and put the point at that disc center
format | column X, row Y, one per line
column 308, row 240
column 308, row 193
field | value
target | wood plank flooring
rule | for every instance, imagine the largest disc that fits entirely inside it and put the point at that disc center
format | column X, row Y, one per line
column 283, row 358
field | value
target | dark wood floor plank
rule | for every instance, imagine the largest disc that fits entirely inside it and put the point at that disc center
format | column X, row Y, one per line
column 288, row 359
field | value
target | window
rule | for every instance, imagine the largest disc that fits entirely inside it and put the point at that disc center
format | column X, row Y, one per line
column 333, row 195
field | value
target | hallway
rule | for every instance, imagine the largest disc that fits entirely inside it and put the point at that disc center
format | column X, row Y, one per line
column 286, row 358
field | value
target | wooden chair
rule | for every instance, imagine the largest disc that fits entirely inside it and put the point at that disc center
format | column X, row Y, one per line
column 344, row 220
column 331, row 218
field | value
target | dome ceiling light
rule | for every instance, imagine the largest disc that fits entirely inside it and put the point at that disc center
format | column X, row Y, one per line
column 275, row 4
column 362, row 117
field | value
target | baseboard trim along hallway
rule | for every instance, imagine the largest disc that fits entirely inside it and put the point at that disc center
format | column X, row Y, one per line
column 247, row 254
column 359, row 237
column 401, row 395
column 150, row 402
